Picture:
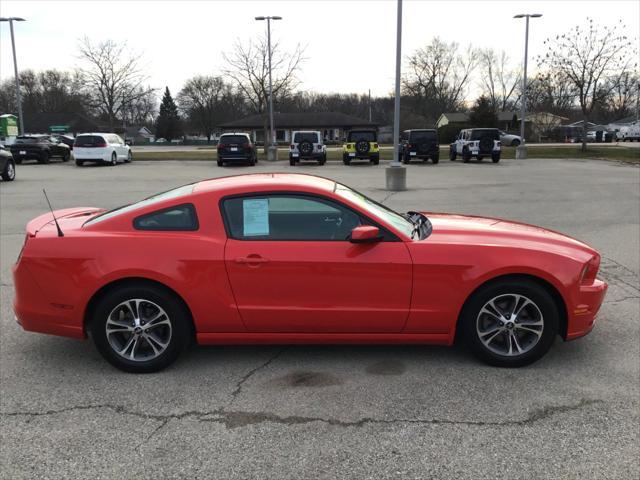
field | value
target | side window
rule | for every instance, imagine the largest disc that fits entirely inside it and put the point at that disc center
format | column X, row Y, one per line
column 288, row 217
column 180, row 217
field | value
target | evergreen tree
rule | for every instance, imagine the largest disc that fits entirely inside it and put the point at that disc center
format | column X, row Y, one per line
column 168, row 124
column 482, row 114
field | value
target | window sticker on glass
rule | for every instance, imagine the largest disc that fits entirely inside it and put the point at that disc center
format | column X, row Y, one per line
column 256, row 217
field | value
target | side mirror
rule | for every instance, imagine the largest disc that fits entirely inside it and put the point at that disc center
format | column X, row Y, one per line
column 365, row 234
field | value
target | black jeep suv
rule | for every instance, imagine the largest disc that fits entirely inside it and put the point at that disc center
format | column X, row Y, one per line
column 420, row 143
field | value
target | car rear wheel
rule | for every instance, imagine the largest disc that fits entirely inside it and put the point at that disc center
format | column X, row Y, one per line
column 44, row 157
column 435, row 159
column 452, row 154
column 140, row 329
column 292, row 161
column 9, row 173
column 406, row 158
column 79, row 163
column 345, row 159
column 480, row 158
column 375, row 160
column 114, row 159
column 466, row 155
column 495, row 158
column 515, row 142
column 510, row 323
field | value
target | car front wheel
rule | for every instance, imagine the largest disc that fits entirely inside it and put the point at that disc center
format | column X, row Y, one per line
column 510, row 323
column 114, row 159
column 44, row 157
column 140, row 329
column 9, row 173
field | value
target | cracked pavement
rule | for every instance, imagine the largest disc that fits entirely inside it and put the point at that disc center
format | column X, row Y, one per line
column 338, row 411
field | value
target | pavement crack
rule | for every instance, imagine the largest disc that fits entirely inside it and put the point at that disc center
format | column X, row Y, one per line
column 387, row 197
column 251, row 372
column 232, row 419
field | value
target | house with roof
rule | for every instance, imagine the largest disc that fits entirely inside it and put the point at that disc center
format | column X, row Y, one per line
column 333, row 125
column 138, row 134
column 72, row 123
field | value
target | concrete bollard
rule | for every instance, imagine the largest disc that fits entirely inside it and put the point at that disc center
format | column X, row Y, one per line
column 521, row 152
column 272, row 154
column 396, row 178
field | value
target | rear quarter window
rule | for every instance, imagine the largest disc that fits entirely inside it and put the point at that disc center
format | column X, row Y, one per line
column 177, row 218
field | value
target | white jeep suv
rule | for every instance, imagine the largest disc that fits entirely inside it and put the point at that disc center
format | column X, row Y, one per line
column 101, row 147
column 307, row 145
column 476, row 142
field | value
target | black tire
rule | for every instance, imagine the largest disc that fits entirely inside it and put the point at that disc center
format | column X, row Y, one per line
column 180, row 327
column 292, row 162
column 66, row 156
column 435, row 159
column 515, row 142
column 406, row 159
column 375, row 160
column 480, row 157
column 470, row 321
column 9, row 172
column 220, row 163
column 79, row 163
column 45, row 157
column 129, row 157
column 323, row 159
column 495, row 158
column 466, row 155
column 345, row 159
column 114, row 159
column 452, row 154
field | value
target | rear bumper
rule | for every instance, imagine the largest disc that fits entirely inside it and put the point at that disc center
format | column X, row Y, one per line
column 35, row 314
column 311, row 156
column 245, row 157
column 27, row 156
column 582, row 318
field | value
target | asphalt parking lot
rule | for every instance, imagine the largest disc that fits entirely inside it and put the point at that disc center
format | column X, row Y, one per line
column 338, row 411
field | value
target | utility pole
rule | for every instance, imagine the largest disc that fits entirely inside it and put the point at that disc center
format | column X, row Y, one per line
column 369, row 105
column 15, row 70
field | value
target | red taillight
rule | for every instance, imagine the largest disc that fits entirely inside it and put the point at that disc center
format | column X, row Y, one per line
column 410, row 145
column 221, row 145
column 247, row 146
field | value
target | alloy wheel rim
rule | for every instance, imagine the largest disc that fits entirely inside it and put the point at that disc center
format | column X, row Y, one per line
column 11, row 171
column 510, row 325
column 138, row 330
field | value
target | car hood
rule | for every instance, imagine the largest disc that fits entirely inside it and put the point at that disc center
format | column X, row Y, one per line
column 496, row 231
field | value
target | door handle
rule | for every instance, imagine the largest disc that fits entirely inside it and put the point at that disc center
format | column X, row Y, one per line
column 251, row 259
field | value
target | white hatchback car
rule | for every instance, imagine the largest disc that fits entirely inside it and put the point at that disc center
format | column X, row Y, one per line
column 101, row 147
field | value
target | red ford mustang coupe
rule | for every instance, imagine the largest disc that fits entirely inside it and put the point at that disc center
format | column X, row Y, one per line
column 283, row 258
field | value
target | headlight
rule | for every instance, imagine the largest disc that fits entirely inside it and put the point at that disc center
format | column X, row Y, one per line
column 590, row 270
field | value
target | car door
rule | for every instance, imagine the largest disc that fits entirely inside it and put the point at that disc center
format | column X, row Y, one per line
column 292, row 267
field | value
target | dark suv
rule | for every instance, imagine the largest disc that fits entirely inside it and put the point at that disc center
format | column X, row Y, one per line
column 39, row 147
column 422, row 144
column 236, row 147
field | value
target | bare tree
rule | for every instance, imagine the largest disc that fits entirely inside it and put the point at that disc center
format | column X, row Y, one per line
column 587, row 57
column 248, row 66
column 551, row 92
column 623, row 94
column 499, row 80
column 438, row 76
column 112, row 77
column 207, row 101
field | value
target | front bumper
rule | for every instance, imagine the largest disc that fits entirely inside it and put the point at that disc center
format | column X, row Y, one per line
column 582, row 317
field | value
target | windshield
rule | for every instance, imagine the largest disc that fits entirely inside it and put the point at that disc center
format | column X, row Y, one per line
column 176, row 192
column 376, row 209
column 234, row 139
column 423, row 136
column 305, row 136
column 479, row 134
column 366, row 136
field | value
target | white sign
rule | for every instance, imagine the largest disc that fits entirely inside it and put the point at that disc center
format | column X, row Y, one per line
column 255, row 213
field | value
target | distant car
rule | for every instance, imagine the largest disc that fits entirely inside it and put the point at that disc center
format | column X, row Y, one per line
column 236, row 147
column 106, row 148
column 161, row 140
column 510, row 139
column 66, row 139
column 361, row 145
column 476, row 142
column 629, row 133
column 420, row 144
column 307, row 145
column 284, row 259
column 7, row 165
column 39, row 147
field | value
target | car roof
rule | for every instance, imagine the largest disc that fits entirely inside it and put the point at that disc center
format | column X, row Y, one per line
column 234, row 133
column 261, row 181
column 95, row 133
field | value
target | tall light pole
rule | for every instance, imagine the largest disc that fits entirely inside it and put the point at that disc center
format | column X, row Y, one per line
column 521, row 150
column 272, row 150
column 396, row 174
column 15, row 69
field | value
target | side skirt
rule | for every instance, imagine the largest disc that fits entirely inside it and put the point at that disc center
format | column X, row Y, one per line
column 323, row 338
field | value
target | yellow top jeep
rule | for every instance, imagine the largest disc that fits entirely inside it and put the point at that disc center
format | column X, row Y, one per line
column 361, row 144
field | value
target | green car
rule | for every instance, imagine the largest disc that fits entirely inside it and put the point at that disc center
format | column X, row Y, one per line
column 361, row 145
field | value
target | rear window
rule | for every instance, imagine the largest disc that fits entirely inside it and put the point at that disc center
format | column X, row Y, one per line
column 479, row 134
column 366, row 136
column 29, row 140
column 305, row 136
column 160, row 197
column 234, row 139
column 422, row 136
column 88, row 140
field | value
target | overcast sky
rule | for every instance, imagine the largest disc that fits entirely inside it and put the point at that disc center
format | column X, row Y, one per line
column 350, row 45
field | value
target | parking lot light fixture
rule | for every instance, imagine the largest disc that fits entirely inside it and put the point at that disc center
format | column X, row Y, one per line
column 396, row 174
column 15, row 69
column 272, row 150
column 521, row 150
